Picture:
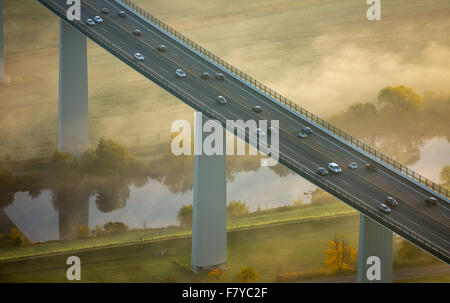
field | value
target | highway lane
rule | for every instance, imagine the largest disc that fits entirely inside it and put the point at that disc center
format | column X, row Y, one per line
column 317, row 150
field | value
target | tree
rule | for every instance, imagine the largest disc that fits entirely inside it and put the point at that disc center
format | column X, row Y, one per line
column 82, row 231
column 7, row 186
column 111, row 158
column 184, row 215
column 445, row 174
column 409, row 252
column 248, row 274
column 217, row 273
column 400, row 97
column 339, row 256
column 237, row 208
column 111, row 194
column 62, row 162
column 115, row 227
column 15, row 237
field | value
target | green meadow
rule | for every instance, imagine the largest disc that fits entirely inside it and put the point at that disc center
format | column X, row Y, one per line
column 125, row 238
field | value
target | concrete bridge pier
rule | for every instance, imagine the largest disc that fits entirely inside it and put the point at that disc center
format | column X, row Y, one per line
column 3, row 77
column 73, row 122
column 374, row 252
column 209, row 229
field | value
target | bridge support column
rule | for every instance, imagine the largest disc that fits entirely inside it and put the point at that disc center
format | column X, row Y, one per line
column 3, row 77
column 209, row 230
column 73, row 122
column 374, row 252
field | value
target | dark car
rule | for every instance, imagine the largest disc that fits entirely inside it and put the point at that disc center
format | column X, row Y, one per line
column 371, row 167
column 162, row 48
column 307, row 130
column 257, row 109
column 322, row 171
column 121, row 14
column 432, row 201
column 137, row 32
column 391, row 201
column 104, row 10
column 219, row 76
column 204, row 76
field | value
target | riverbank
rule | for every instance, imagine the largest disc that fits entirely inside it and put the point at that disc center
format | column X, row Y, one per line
column 155, row 234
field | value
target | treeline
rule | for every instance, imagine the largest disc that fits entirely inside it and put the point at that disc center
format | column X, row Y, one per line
column 240, row 208
column 399, row 122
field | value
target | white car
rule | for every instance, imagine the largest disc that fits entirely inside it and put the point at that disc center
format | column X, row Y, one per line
column 221, row 100
column 139, row 56
column 334, row 167
column 180, row 73
column 260, row 132
column 384, row 208
column 302, row 135
column 98, row 19
column 353, row 165
column 90, row 22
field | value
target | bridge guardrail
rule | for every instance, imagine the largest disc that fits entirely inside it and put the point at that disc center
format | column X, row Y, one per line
column 293, row 106
column 191, row 100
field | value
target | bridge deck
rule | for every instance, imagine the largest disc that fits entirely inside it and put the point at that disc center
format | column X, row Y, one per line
column 428, row 227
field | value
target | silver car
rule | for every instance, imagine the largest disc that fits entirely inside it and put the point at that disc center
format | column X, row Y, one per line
column 137, row 32
column 334, row 167
column 98, row 19
column 180, row 73
column 90, row 22
column 221, row 100
column 353, row 165
column 139, row 56
column 302, row 135
column 384, row 208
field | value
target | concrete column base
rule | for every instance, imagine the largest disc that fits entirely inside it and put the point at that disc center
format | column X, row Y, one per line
column 374, row 252
column 209, row 228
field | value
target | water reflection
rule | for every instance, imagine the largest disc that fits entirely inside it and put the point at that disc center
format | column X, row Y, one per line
column 56, row 213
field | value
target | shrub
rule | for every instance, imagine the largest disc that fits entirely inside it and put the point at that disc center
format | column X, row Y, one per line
column 115, row 227
column 248, row 274
column 217, row 273
column 15, row 237
column 82, row 231
column 184, row 215
column 237, row 208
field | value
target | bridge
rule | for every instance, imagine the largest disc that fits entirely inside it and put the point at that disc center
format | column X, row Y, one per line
column 425, row 226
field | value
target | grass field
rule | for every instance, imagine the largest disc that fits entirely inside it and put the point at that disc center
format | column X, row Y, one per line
column 436, row 279
column 272, row 249
column 323, row 54
column 297, row 246
column 306, row 213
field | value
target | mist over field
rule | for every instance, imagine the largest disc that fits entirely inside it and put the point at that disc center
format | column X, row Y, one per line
column 322, row 54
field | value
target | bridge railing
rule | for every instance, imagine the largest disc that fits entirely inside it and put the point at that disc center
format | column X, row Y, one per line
column 291, row 163
column 293, row 106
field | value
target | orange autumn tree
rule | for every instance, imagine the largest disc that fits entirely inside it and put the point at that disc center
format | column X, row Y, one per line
column 217, row 273
column 339, row 255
